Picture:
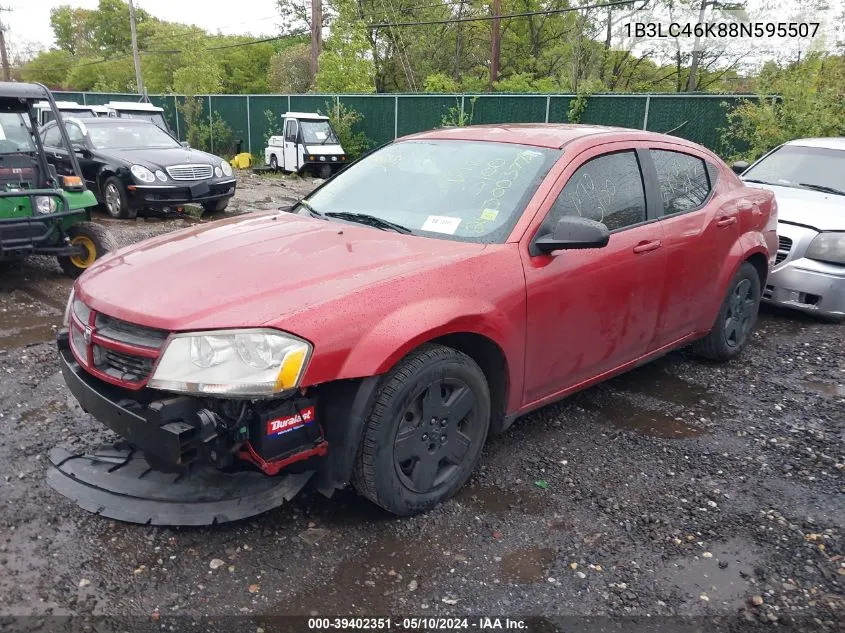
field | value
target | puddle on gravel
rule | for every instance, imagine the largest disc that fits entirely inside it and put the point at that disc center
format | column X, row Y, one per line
column 498, row 501
column 527, row 565
column 623, row 413
column 825, row 388
column 654, row 380
column 24, row 321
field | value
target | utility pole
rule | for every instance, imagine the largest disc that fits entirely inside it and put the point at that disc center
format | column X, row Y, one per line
column 4, row 54
column 458, row 43
column 139, row 80
column 316, row 35
column 494, row 43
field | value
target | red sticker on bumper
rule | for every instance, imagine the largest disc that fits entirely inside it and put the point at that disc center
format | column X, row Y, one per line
column 280, row 426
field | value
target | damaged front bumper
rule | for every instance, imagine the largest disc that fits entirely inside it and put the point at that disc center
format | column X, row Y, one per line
column 183, row 459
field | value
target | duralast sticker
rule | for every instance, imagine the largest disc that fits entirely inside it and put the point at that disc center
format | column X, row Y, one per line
column 280, row 426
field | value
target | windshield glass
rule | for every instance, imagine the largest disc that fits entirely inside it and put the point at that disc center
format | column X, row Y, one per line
column 129, row 135
column 469, row 191
column 152, row 117
column 797, row 166
column 15, row 136
column 78, row 114
column 317, row 132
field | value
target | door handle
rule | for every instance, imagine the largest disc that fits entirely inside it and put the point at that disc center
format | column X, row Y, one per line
column 726, row 221
column 645, row 247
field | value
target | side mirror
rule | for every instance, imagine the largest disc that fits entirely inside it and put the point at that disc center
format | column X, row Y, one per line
column 572, row 232
column 81, row 150
column 185, row 144
column 740, row 166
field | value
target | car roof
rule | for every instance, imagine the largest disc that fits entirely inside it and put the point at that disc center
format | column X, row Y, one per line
column 67, row 105
column 104, row 120
column 133, row 105
column 304, row 115
column 22, row 90
column 832, row 142
column 549, row 135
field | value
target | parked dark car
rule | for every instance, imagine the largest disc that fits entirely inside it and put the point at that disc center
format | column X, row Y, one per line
column 132, row 165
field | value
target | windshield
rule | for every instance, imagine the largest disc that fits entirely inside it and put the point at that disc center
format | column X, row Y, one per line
column 460, row 190
column 15, row 136
column 801, row 167
column 152, row 117
column 128, row 136
column 317, row 132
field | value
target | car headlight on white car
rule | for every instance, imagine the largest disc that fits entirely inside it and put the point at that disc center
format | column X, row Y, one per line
column 828, row 247
column 45, row 205
column 226, row 168
column 234, row 363
column 142, row 173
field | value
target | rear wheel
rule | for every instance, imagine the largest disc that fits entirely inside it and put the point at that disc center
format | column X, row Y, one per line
column 94, row 241
column 115, row 199
column 736, row 319
column 425, row 432
column 217, row 206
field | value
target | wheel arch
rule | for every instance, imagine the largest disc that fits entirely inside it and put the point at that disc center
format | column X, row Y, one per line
column 761, row 264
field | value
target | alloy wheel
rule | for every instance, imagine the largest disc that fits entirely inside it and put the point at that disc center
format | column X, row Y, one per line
column 739, row 314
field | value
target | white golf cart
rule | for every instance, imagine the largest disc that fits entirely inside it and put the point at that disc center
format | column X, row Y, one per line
column 139, row 110
column 44, row 112
column 308, row 145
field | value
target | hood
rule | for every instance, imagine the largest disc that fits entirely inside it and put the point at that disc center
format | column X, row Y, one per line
column 818, row 210
column 329, row 149
column 255, row 270
column 160, row 157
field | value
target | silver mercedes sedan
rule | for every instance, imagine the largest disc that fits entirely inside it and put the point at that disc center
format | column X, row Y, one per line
column 808, row 179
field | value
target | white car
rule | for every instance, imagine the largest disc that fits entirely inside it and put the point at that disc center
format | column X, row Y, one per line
column 44, row 113
column 808, row 179
column 308, row 145
column 139, row 110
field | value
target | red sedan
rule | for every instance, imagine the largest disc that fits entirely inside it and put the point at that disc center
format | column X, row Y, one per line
column 421, row 299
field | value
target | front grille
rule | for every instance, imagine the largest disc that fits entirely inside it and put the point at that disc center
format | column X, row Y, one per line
column 123, row 367
column 784, row 246
column 190, row 172
column 129, row 333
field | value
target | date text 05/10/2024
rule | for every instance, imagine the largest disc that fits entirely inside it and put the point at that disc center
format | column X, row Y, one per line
column 480, row 623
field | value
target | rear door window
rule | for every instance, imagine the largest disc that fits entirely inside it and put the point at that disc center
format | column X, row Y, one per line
column 683, row 179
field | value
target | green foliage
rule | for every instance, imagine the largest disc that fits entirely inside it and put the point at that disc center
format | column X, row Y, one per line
column 438, row 82
column 49, row 68
column 457, row 116
column 344, row 121
column 208, row 134
column 345, row 64
column 275, row 125
column 810, row 102
column 290, row 69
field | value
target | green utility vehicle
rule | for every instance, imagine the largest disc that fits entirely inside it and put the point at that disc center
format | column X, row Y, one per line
column 41, row 212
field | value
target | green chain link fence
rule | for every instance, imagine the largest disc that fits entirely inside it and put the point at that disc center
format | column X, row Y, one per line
column 697, row 117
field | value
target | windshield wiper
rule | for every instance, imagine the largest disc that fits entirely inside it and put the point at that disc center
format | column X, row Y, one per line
column 760, row 182
column 823, row 188
column 369, row 220
column 311, row 210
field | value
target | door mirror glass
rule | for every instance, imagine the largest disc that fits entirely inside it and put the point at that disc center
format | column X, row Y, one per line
column 572, row 232
column 185, row 144
column 740, row 166
column 81, row 150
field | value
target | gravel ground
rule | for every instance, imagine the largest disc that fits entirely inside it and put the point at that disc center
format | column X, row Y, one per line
column 679, row 494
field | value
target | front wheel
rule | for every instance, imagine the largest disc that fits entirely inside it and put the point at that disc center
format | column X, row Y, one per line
column 425, row 432
column 218, row 206
column 274, row 163
column 736, row 319
column 324, row 171
column 116, row 200
column 94, row 240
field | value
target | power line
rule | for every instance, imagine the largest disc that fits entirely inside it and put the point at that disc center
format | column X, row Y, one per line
column 524, row 14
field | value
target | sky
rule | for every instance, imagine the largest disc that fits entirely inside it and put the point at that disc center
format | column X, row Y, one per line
column 29, row 20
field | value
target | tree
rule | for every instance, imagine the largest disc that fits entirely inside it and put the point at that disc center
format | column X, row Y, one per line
column 290, row 70
column 49, row 67
column 344, row 64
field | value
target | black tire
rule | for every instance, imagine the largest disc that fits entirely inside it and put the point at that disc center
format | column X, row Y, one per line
column 97, row 240
column 218, row 206
column 115, row 200
column 406, row 463
column 737, row 316
column 324, row 171
column 274, row 162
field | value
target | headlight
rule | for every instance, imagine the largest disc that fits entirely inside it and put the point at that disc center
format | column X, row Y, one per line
column 246, row 363
column 323, row 158
column 226, row 167
column 66, row 319
column 828, row 247
column 218, row 172
column 161, row 175
column 142, row 173
column 45, row 205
